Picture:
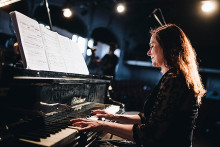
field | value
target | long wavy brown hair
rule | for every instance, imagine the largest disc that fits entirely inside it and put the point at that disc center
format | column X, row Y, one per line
column 179, row 53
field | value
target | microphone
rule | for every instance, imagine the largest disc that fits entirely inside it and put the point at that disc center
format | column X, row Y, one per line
column 155, row 10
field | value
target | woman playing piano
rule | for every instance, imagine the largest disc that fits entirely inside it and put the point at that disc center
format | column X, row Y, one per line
column 169, row 114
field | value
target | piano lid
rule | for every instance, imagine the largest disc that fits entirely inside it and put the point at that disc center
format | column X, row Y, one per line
column 9, row 73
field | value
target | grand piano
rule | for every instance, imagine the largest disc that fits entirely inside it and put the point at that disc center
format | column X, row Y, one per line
column 33, row 108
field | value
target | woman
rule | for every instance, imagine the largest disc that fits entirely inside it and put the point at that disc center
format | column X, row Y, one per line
column 170, row 112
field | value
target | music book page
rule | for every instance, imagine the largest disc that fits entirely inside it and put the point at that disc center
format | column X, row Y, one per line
column 53, row 50
column 67, row 54
column 81, row 66
column 43, row 49
column 30, row 42
column 72, row 55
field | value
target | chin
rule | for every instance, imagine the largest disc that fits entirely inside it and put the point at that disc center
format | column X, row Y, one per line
column 154, row 64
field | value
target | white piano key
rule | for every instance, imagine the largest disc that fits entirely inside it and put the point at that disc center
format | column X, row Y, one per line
column 62, row 137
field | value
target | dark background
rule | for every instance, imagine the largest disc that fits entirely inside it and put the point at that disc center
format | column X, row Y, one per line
column 203, row 30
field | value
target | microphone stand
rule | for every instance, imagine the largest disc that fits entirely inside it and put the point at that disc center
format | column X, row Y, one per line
column 48, row 13
column 155, row 16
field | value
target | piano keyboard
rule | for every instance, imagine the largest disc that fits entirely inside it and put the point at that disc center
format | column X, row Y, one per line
column 56, row 129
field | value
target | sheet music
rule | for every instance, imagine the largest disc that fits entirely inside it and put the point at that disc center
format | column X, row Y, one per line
column 43, row 49
column 32, row 45
column 79, row 61
column 53, row 50
column 67, row 54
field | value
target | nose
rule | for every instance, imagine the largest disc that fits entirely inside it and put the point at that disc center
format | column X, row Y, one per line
column 149, row 52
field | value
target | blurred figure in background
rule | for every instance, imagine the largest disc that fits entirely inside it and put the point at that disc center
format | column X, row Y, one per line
column 109, row 61
column 10, row 54
column 17, row 56
column 94, row 63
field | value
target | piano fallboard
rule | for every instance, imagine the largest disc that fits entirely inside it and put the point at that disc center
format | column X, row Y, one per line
column 21, row 87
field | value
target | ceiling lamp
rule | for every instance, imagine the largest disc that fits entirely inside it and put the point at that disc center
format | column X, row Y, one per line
column 67, row 12
column 7, row 2
column 120, row 8
column 208, row 6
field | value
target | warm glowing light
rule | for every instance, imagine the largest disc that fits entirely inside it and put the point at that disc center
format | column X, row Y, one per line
column 120, row 8
column 208, row 6
column 67, row 12
column 90, row 43
column 7, row 2
column 89, row 52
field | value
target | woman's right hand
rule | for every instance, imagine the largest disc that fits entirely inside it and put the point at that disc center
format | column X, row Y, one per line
column 103, row 114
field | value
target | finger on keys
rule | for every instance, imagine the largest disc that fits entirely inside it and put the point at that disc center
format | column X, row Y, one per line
column 74, row 127
column 77, row 120
column 100, row 115
column 98, row 111
column 80, row 124
column 84, row 128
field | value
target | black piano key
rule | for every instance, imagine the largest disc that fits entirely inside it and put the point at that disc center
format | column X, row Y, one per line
column 51, row 130
column 42, row 133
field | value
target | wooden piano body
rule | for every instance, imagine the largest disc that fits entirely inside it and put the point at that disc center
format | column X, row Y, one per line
column 22, row 92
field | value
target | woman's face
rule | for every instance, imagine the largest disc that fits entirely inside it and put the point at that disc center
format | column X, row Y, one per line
column 155, row 52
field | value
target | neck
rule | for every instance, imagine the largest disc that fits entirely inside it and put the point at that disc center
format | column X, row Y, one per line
column 164, row 69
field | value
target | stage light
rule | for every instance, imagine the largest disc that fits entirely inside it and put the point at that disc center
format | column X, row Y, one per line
column 120, row 8
column 67, row 12
column 7, row 2
column 208, row 6
column 89, row 52
column 90, row 43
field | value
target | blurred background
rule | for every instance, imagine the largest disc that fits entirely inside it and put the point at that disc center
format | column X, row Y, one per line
column 95, row 24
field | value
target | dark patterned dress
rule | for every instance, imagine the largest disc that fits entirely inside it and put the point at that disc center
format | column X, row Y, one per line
column 169, row 114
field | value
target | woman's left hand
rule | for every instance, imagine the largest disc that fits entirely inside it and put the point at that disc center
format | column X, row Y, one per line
column 87, row 124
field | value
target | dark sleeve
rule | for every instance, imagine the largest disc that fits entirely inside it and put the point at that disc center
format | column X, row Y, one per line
column 116, row 60
column 104, row 58
column 164, row 109
column 143, row 118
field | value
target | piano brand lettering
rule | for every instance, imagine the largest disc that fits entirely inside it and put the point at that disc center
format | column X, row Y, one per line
column 77, row 100
column 77, row 108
